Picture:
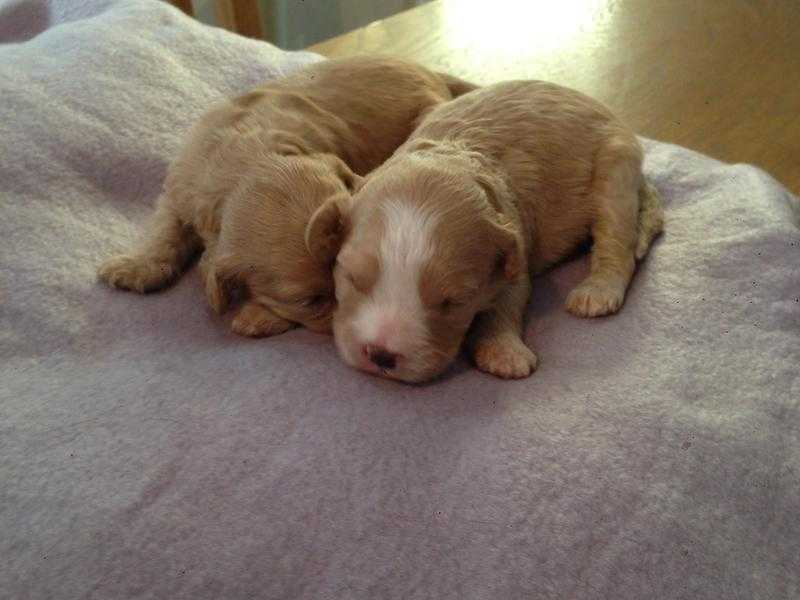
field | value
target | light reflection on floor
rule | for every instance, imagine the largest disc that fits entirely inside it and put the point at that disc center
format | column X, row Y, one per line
column 501, row 28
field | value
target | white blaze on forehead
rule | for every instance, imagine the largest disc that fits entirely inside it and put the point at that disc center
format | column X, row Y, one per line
column 408, row 240
column 393, row 315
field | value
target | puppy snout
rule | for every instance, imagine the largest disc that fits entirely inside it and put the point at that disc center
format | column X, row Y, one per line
column 381, row 357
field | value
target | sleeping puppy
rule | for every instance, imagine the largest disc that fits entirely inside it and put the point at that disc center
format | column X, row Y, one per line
column 438, row 245
column 253, row 171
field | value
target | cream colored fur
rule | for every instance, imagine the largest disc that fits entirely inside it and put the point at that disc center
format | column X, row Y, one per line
column 519, row 174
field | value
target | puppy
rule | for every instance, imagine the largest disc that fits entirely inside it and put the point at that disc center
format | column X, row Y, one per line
column 253, row 171
column 440, row 242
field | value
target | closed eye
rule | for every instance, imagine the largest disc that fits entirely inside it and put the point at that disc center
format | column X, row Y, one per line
column 449, row 304
column 350, row 278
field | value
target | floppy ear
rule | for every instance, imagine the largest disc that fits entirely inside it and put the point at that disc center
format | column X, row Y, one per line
column 327, row 228
column 503, row 231
column 493, row 188
column 343, row 172
column 511, row 252
column 223, row 278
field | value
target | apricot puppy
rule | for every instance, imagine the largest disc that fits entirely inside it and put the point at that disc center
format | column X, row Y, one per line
column 439, row 243
column 253, row 171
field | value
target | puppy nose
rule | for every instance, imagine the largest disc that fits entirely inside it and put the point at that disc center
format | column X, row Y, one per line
column 381, row 357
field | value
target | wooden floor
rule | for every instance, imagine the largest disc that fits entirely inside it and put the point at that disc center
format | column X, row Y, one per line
column 719, row 76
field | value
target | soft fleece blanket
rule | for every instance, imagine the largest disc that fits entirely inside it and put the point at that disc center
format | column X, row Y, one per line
column 147, row 452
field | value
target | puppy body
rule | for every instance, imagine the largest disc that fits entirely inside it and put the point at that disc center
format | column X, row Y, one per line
column 253, row 171
column 498, row 184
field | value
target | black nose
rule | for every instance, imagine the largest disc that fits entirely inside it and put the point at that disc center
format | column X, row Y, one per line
column 382, row 358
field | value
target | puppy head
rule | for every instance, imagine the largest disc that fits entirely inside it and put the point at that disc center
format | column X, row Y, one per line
column 262, row 249
column 424, row 250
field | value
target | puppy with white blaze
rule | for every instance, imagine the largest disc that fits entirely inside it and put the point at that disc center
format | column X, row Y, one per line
column 438, row 245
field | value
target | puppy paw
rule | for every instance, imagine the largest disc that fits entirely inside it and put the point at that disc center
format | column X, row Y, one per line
column 507, row 357
column 137, row 273
column 254, row 320
column 595, row 299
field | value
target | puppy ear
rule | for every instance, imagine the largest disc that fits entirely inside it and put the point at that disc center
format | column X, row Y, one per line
column 493, row 188
column 327, row 228
column 503, row 231
column 223, row 278
column 511, row 251
column 343, row 172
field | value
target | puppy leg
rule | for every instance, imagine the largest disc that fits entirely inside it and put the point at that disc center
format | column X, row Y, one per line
column 216, row 288
column 256, row 320
column 158, row 259
column 495, row 340
column 612, row 259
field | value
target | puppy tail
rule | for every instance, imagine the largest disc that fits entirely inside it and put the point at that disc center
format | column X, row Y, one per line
column 458, row 87
column 651, row 218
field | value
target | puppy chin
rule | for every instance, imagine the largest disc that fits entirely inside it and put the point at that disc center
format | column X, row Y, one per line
column 418, row 371
column 426, row 368
column 422, row 365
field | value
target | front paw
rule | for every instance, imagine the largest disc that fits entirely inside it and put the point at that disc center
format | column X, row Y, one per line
column 137, row 273
column 505, row 356
column 254, row 320
column 595, row 299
